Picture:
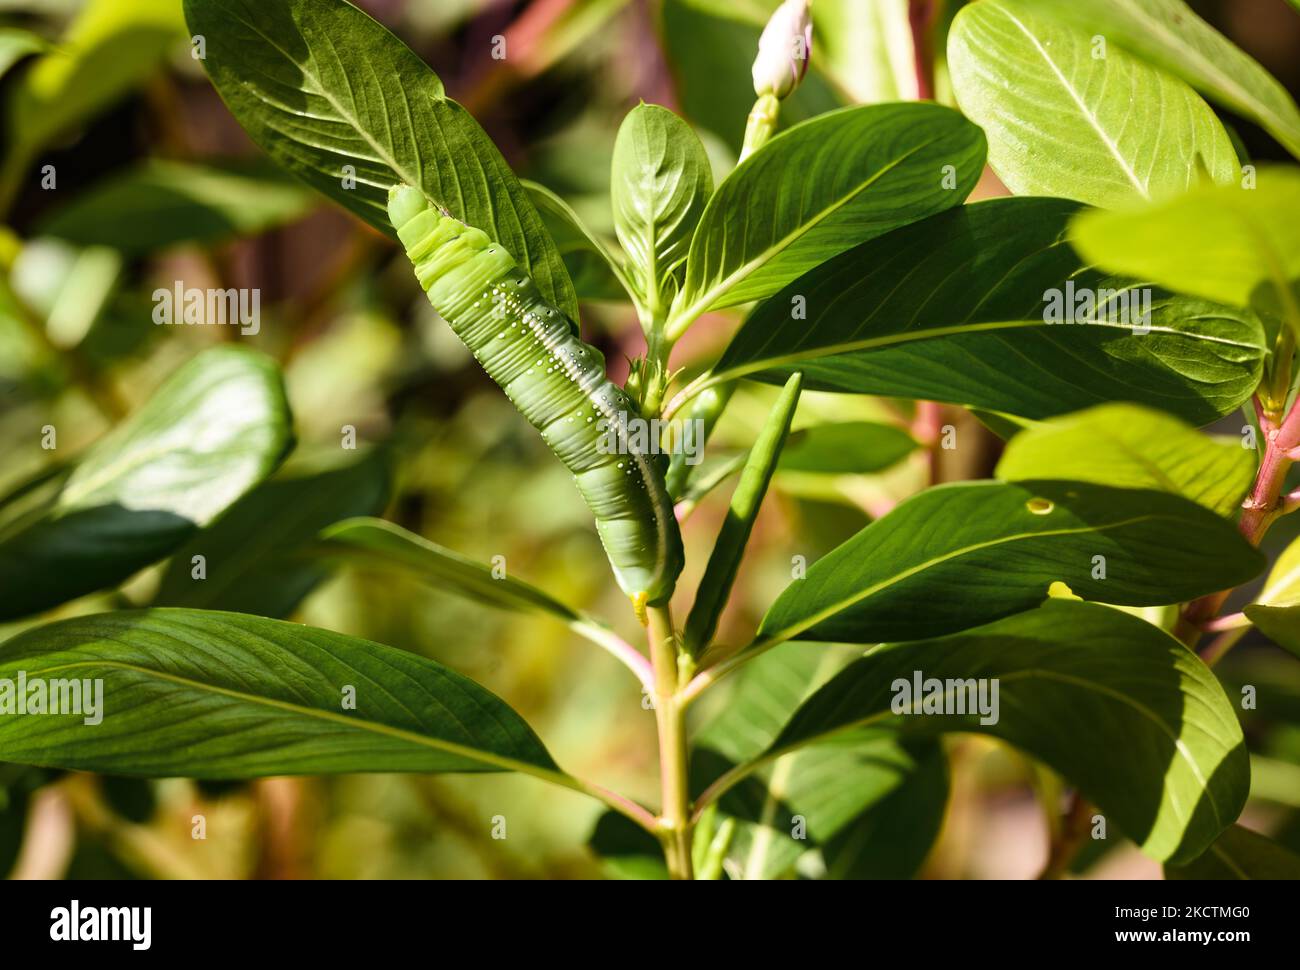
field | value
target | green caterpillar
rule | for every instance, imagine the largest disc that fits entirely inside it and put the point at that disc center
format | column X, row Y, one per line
column 555, row 380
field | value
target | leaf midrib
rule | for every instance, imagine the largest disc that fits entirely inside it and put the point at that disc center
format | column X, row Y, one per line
column 794, row 629
column 1084, row 110
column 375, row 727
column 702, row 303
column 929, row 333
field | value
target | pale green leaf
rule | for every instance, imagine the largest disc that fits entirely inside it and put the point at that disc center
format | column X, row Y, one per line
column 1061, row 120
column 1234, row 245
column 1128, row 446
column 659, row 183
column 1170, row 35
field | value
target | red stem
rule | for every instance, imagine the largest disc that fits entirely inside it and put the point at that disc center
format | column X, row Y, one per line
column 1260, row 508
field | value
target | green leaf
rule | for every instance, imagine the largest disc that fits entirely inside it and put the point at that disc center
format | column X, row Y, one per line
column 201, row 694
column 1276, row 611
column 218, row 426
column 1170, row 35
column 15, row 44
column 1233, row 245
column 820, row 188
column 724, row 562
column 383, row 544
column 958, row 555
column 627, row 850
column 846, row 448
column 376, row 543
column 1062, row 121
column 1240, row 853
column 1128, row 446
column 660, row 181
column 162, row 203
column 1281, row 624
column 1110, row 702
column 320, row 85
column 110, row 48
column 595, row 271
column 892, row 837
column 256, row 555
column 956, row 308
column 831, row 786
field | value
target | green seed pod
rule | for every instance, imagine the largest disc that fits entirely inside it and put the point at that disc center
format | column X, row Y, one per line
column 556, row 381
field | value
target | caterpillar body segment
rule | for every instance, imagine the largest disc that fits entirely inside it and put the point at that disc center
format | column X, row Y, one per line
column 529, row 348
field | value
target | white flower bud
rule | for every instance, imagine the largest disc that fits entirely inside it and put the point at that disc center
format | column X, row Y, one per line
column 783, row 50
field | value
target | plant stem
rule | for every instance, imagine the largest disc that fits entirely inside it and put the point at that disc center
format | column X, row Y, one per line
column 1261, row 507
column 617, row 647
column 761, row 124
column 1068, row 839
column 920, row 18
column 674, row 763
column 925, row 429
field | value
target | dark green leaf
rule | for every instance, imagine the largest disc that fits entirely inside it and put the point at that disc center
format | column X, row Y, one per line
column 956, row 309
column 963, row 554
column 225, row 695
column 627, row 850
column 110, row 48
column 320, row 85
column 892, row 837
column 1240, row 853
column 256, row 555
column 378, row 543
column 850, row 448
column 1110, row 702
column 161, row 203
column 595, row 271
column 827, row 786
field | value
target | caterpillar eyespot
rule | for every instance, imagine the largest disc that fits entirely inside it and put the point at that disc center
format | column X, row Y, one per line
column 555, row 380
